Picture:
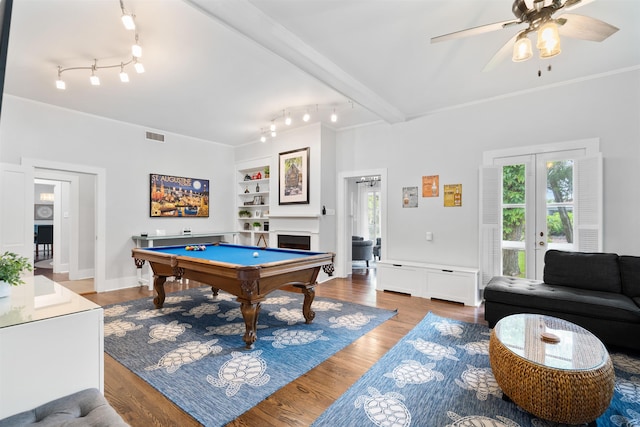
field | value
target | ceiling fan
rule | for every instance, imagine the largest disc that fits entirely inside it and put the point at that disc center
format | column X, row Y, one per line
column 539, row 19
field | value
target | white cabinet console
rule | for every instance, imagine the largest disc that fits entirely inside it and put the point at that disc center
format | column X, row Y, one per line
column 51, row 345
column 459, row 284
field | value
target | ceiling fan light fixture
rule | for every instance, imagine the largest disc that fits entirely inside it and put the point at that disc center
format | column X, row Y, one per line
column 548, row 40
column 522, row 49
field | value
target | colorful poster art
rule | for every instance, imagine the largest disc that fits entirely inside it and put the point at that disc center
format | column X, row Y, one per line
column 176, row 196
column 452, row 195
column 410, row 197
column 430, row 186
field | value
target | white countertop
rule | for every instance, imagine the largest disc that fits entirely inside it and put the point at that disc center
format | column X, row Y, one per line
column 38, row 299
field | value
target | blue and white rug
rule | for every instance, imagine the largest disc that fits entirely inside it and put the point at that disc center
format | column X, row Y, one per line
column 192, row 350
column 439, row 375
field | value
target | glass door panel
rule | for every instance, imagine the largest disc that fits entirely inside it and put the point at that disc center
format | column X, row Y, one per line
column 513, row 220
column 537, row 210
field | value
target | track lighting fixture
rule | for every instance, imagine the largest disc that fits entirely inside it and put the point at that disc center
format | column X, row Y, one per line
column 136, row 49
column 124, row 77
column 95, row 80
column 60, row 84
column 290, row 115
column 136, row 52
column 127, row 18
column 138, row 66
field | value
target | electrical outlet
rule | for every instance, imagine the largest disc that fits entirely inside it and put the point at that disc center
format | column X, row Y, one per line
column 429, row 236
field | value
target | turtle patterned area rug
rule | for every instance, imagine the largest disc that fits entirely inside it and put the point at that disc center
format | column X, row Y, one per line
column 439, row 375
column 192, row 350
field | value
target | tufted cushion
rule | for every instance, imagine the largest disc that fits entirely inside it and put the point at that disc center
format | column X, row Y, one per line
column 591, row 271
column 630, row 270
column 84, row 408
column 561, row 299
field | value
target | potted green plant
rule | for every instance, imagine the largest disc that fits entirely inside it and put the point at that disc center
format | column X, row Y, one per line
column 11, row 267
column 244, row 214
column 266, row 171
column 256, row 226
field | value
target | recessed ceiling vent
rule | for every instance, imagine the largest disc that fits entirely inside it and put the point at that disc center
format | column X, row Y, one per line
column 155, row 136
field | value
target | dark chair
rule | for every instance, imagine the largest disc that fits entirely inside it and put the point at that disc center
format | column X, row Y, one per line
column 361, row 250
column 376, row 248
column 44, row 237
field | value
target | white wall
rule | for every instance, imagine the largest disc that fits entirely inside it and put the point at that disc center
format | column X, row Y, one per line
column 40, row 131
column 451, row 143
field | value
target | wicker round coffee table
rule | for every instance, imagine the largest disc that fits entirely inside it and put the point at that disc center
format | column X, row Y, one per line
column 551, row 368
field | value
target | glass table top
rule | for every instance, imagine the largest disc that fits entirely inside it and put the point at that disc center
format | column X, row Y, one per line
column 551, row 342
column 38, row 299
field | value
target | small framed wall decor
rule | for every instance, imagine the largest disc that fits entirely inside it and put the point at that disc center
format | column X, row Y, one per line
column 409, row 197
column 43, row 212
column 293, row 180
column 452, row 195
column 430, row 186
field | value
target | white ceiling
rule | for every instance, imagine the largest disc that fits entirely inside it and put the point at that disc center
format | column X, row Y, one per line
column 221, row 70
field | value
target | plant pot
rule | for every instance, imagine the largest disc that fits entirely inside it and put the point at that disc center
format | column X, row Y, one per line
column 256, row 228
column 5, row 289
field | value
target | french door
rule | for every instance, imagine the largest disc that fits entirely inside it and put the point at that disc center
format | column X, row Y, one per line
column 540, row 201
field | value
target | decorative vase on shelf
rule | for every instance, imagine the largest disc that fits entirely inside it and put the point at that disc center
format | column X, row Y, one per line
column 5, row 289
column 257, row 188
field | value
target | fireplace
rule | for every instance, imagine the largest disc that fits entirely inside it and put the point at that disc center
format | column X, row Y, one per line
column 289, row 241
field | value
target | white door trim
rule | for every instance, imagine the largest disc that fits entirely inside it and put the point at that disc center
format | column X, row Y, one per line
column 100, row 220
column 343, row 266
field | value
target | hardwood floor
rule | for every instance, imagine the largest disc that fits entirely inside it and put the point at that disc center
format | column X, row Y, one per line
column 302, row 401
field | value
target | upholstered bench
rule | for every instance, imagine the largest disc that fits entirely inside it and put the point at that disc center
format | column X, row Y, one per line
column 84, row 408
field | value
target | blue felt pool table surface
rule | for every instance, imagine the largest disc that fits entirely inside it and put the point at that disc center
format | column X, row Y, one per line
column 235, row 254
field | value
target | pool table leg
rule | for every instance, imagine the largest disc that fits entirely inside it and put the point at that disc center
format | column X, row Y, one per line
column 309, row 294
column 250, row 314
column 158, row 285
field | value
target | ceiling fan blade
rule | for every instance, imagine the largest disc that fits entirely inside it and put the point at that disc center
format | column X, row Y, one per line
column 474, row 31
column 585, row 28
column 504, row 53
column 574, row 4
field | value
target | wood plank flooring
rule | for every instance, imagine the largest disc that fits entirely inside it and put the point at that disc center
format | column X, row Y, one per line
column 302, row 401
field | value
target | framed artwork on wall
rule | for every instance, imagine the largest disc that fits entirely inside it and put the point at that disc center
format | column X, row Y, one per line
column 293, row 180
column 176, row 196
column 43, row 212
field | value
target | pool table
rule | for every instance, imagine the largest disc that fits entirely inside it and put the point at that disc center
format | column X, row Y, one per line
column 233, row 268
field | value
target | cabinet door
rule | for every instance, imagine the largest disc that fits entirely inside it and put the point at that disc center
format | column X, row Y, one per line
column 453, row 286
column 399, row 278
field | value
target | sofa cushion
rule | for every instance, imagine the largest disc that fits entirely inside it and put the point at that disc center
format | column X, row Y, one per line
column 561, row 299
column 630, row 272
column 591, row 271
column 84, row 408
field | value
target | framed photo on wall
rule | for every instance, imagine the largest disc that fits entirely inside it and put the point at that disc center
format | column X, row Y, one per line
column 177, row 196
column 43, row 212
column 293, row 179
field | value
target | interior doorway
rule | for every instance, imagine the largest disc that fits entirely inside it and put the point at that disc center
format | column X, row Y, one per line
column 353, row 213
column 72, row 201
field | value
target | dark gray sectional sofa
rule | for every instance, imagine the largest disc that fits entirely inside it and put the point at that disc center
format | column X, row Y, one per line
column 598, row 291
